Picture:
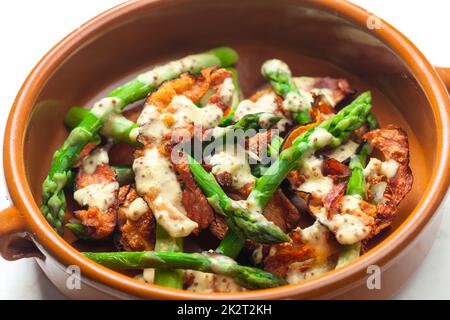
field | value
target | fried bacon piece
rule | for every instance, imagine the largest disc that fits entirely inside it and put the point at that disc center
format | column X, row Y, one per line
column 337, row 89
column 283, row 255
column 393, row 143
column 190, row 86
column 296, row 132
column 309, row 247
column 137, row 234
column 332, row 198
column 99, row 224
column 194, row 201
column 257, row 145
column 279, row 210
column 282, row 212
column 336, row 170
column 340, row 173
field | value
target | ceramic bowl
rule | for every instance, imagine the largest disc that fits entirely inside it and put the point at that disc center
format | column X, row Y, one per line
column 321, row 38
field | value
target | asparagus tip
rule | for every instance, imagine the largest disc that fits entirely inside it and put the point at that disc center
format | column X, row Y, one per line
column 227, row 56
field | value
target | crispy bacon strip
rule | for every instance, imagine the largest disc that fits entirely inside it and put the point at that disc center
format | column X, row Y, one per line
column 288, row 253
column 134, row 235
column 99, row 224
column 336, row 170
column 393, row 143
column 194, row 201
column 282, row 212
column 192, row 87
column 340, row 88
column 332, row 198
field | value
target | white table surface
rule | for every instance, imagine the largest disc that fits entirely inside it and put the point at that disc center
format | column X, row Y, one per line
column 30, row 28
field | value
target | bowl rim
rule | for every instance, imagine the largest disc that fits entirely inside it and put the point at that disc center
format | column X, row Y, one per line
column 50, row 241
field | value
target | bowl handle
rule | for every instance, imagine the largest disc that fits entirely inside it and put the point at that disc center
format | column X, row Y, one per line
column 15, row 242
column 444, row 73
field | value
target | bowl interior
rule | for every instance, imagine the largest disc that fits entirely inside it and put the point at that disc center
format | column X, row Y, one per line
column 312, row 41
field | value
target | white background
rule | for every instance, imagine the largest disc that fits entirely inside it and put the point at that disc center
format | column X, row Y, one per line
column 28, row 29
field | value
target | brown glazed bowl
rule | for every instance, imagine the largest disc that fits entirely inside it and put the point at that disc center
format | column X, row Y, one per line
column 321, row 37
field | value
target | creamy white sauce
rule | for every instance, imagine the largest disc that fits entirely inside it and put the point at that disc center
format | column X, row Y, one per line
column 153, row 172
column 209, row 282
column 134, row 134
column 315, row 183
column 296, row 272
column 348, row 228
column 172, row 70
column 378, row 190
column 306, row 83
column 257, row 255
column 95, row 158
column 295, row 102
column 154, row 124
column 97, row 195
column 266, row 103
column 321, row 138
column 158, row 184
column 174, row 221
column 344, row 151
column 372, row 168
column 275, row 66
column 235, row 163
column 104, row 107
column 389, row 168
column 375, row 167
column 350, row 203
column 149, row 275
column 136, row 209
column 317, row 237
column 226, row 90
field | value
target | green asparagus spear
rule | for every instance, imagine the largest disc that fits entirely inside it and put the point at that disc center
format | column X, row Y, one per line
column 357, row 186
column 357, row 183
column 79, row 230
column 248, row 122
column 75, row 116
column 295, row 100
column 250, row 278
column 348, row 254
column 116, row 126
column 53, row 199
column 231, row 245
column 170, row 278
column 246, row 221
column 235, row 102
column 339, row 127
